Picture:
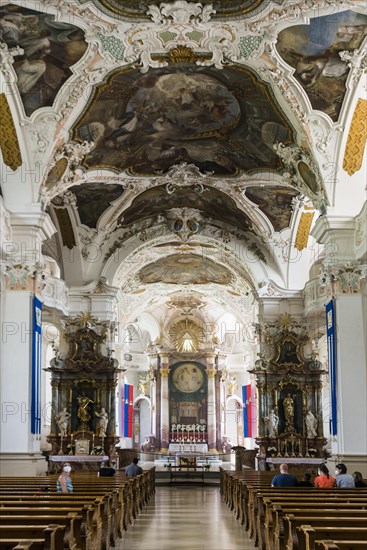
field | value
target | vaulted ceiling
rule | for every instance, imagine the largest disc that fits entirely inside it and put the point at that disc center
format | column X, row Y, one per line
column 164, row 126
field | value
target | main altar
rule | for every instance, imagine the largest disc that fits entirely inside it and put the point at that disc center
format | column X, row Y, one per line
column 289, row 388
column 83, row 394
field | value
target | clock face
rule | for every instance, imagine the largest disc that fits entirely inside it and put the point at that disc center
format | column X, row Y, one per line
column 188, row 378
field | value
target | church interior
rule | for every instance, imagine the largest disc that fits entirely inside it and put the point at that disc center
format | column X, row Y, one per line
column 183, row 279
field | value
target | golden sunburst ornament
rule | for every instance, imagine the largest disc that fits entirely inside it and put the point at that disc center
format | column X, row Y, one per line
column 186, row 336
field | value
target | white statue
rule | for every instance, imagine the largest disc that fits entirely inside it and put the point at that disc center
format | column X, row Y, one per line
column 102, row 421
column 63, row 419
column 272, row 422
column 311, row 425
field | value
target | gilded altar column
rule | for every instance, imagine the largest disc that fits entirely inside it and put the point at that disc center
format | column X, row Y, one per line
column 164, row 427
column 212, row 436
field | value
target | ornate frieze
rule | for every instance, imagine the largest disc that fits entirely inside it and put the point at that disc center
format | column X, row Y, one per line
column 181, row 24
column 345, row 279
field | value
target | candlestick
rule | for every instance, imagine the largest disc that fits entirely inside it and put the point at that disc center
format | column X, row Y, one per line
column 279, row 449
column 286, row 447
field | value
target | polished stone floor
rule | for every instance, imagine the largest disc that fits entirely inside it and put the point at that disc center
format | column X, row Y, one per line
column 186, row 518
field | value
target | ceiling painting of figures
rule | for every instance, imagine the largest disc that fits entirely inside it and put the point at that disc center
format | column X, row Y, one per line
column 313, row 50
column 275, row 202
column 185, row 269
column 211, row 203
column 139, row 8
column 223, row 121
column 49, row 47
column 93, row 199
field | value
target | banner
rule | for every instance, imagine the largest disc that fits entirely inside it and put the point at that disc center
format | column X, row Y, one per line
column 248, row 410
column 36, row 366
column 331, row 345
column 128, row 410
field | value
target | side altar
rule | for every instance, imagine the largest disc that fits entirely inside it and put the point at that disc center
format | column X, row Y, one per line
column 83, row 421
column 289, row 386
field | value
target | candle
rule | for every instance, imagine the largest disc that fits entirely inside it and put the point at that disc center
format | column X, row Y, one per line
column 71, row 438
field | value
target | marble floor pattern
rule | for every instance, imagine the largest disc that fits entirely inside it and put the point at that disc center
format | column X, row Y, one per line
column 186, row 518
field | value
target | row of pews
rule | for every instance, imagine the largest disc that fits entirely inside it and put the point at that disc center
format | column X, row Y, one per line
column 33, row 516
column 296, row 518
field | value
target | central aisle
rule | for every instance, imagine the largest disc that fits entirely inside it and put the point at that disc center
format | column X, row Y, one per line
column 186, row 518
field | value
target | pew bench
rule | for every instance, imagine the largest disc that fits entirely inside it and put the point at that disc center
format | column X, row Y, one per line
column 293, row 522
column 49, row 537
column 340, row 545
column 308, row 535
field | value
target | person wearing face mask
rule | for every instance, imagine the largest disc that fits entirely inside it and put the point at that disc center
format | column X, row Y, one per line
column 64, row 484
column 343, row 480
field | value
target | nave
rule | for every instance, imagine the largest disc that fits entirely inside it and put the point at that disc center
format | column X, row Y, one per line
column 186, row 518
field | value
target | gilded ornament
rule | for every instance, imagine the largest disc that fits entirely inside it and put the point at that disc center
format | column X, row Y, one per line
column 9, row 144
column 357, row 138
column 303, row 230
column 181, row 54
column 211, row 373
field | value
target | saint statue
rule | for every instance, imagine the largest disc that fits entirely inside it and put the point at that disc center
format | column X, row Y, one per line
column 232, row 384
column 311, row 425
column 63, row 419
column 272, row 422
column 102, row 421
column 288, row 404
column 83, row 414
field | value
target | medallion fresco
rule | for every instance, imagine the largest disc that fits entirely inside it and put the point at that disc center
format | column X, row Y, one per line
column 50, row 48
column 188, row 378
column 185, row 269
column 275, row 202
column 313, row 51
column 221, row 121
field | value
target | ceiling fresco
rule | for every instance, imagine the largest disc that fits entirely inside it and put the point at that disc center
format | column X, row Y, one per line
column 313, row 50
column 223, row 121
column 211, row 202
column 93, row 199
column 276, row 203
column 185, row 269
column 138, row 8
column 49, row 47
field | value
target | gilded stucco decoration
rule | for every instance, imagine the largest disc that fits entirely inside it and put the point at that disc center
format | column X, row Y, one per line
column 187, row 335
column 303, row 230
column 8, row 136
column 357, row 138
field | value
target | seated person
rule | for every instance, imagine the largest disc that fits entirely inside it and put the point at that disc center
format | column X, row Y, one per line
column 343, row 480
column 324, row 480
column 358, row 480
column 284, row 479
column 306, row 482
column 133, row 469
column 106, row 470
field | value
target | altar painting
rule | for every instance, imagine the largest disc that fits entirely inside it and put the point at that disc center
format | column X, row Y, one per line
column 188, row 394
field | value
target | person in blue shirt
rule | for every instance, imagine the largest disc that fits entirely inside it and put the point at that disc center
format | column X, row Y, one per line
column 284, row 479
column 133, row 469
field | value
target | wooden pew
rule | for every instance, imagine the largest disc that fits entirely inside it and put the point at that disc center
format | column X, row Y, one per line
column 50, row 537
column 292, row 523
column 275, row 513
column 308, row 535
column 340, row 545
